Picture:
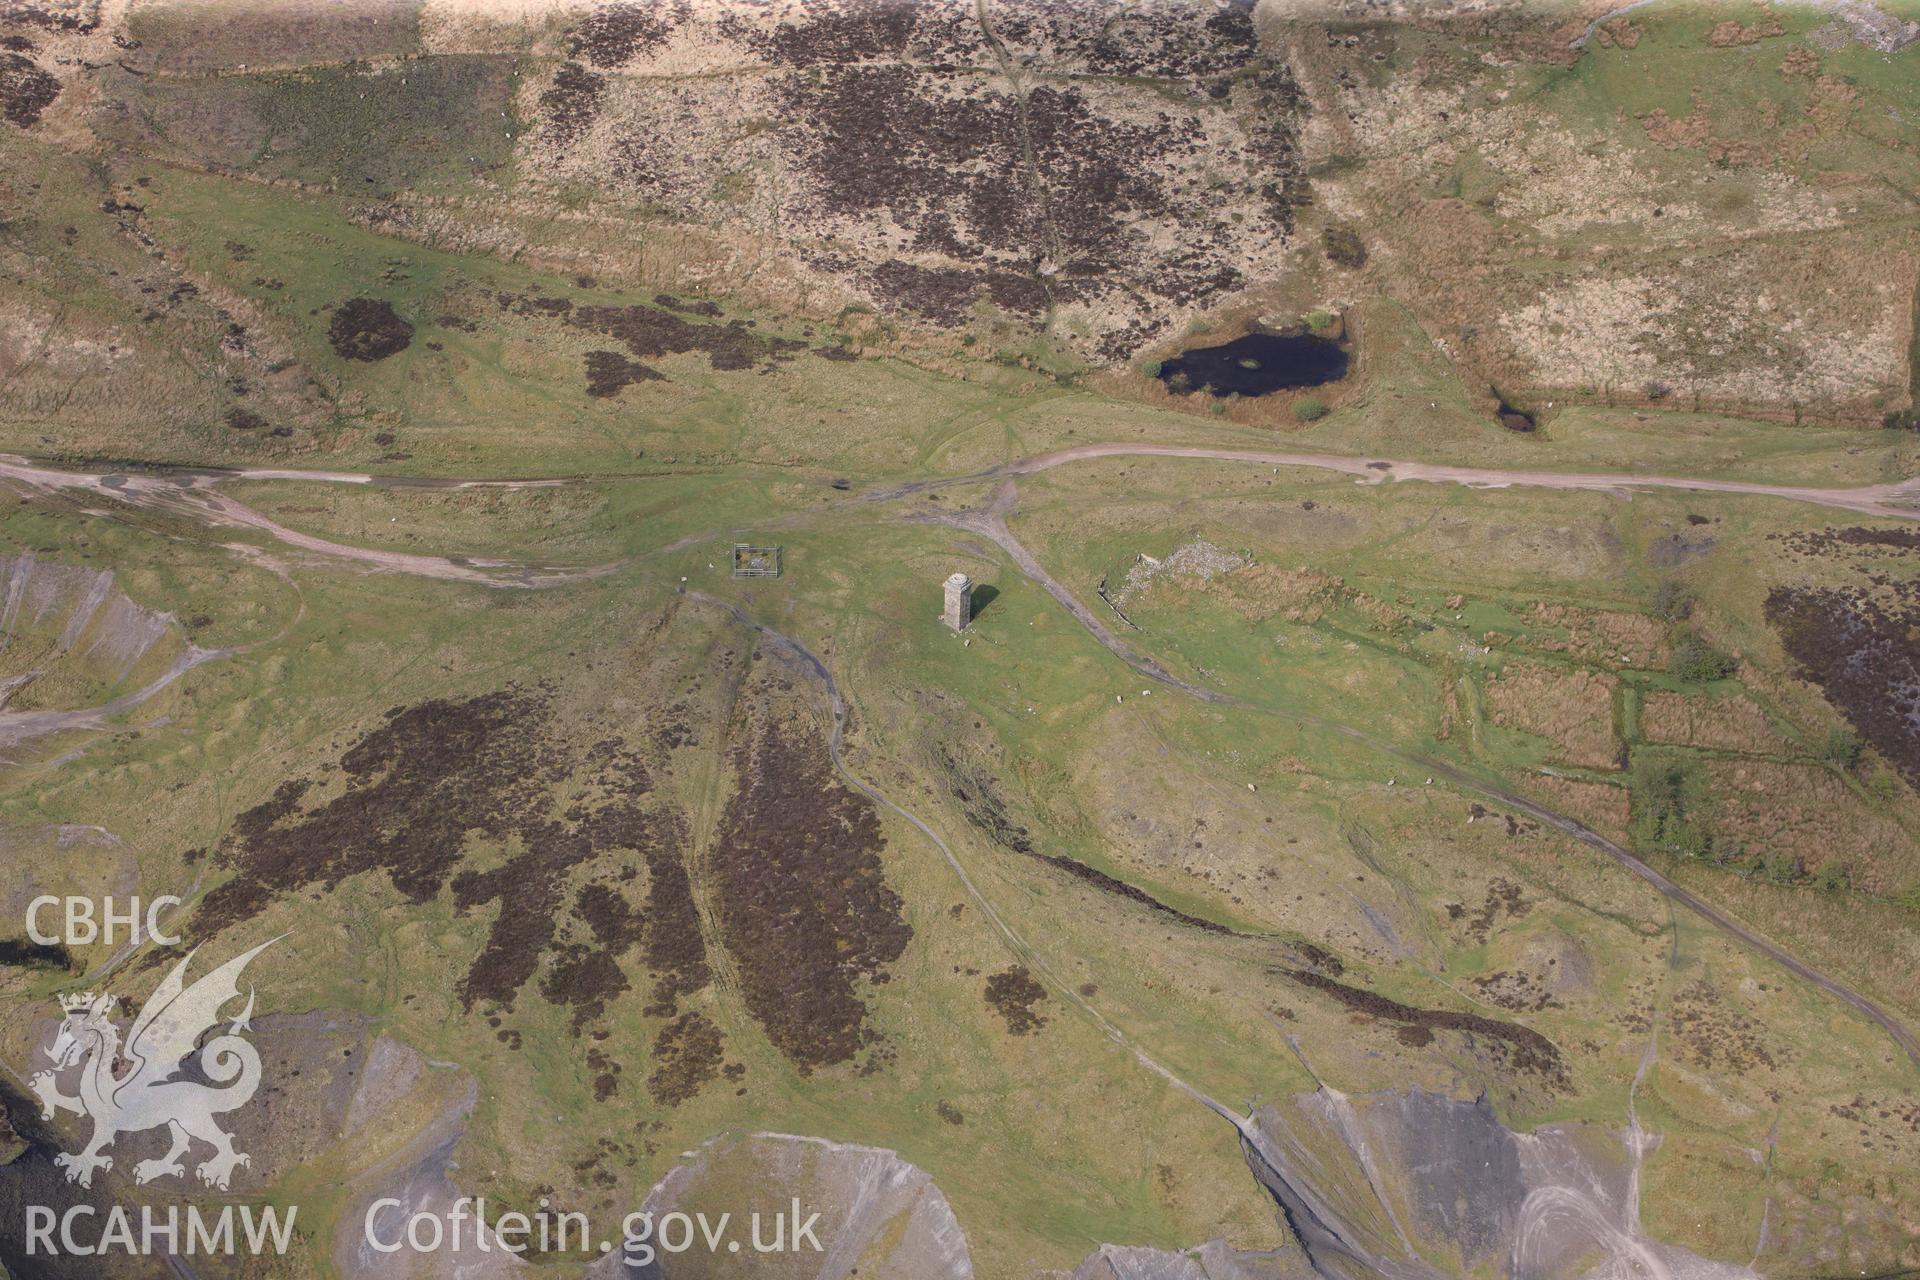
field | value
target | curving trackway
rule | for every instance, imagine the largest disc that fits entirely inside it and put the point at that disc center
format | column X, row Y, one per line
column 1899, row 500
column 195, row 493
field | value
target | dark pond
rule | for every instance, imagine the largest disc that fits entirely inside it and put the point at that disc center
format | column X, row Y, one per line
column 1514, row 419
column 1256, row 364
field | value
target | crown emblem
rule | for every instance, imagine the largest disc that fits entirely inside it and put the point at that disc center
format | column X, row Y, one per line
column 77, row 1003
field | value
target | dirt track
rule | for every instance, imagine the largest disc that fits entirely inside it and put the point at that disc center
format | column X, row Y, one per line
column 990, row 523
column 17, row 727
column 1897, row 501
column 193, row 494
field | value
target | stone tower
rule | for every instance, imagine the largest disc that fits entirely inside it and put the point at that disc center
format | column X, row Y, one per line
column 959, row 610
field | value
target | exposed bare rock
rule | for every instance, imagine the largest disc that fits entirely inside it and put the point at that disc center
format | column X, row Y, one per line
column 76, row 652
column 1415, row 1186
column 419, row 1174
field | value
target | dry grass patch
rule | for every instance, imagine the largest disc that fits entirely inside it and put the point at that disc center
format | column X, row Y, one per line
column 1573, row 710
column 1730, row 724
column 1254, row 591
column 1602, row 635
column 1808, row 813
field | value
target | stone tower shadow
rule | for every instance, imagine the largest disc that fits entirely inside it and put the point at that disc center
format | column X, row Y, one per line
column 984, row 594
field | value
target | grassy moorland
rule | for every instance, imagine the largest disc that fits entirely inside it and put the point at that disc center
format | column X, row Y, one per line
column 587, row 844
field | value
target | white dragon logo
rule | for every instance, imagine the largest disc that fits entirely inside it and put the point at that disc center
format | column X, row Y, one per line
column 147, row 1095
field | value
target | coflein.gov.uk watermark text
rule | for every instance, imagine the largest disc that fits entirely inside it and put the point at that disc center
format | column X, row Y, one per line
column 642, row 1237
column 84, row 1231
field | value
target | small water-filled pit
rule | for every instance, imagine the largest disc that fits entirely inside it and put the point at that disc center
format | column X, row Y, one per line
column 1256, row 364
column 1517, row 420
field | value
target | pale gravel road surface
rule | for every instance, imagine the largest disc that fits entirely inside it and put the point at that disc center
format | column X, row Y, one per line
column 1896, row 501
column 193, row 494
